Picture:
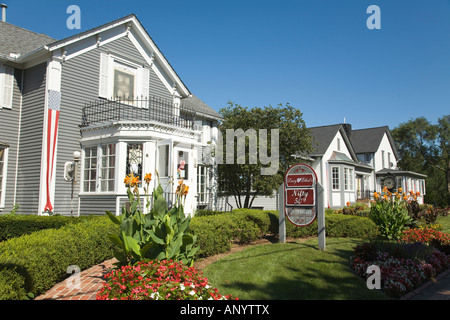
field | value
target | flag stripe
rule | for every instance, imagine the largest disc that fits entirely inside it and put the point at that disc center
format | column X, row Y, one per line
column 54, row 99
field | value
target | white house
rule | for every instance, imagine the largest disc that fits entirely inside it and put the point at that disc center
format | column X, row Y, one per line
column 351, row 165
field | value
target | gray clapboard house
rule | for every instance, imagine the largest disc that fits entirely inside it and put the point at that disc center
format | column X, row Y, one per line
column 105, row 102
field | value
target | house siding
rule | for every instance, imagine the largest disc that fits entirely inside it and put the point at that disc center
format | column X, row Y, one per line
column 124, row 48
column 31, row 139
column 9, row 130
column 80, row 84
column 97, row 204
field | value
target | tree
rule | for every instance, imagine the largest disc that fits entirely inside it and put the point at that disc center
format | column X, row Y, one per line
column 424, row 147
column 245, row 181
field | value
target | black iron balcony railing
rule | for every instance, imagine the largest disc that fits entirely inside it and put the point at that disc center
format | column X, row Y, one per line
column 145, row 109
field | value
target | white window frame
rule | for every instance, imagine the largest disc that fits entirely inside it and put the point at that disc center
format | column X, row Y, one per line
column 98, row 169
column 3, row 176
column 202, row 187
column 107, row 168
column 91, row 168
column 348, row 179
column 333, row 178
column 6, row 86
column 109, row 64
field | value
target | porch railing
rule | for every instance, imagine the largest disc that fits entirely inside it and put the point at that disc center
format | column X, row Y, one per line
column 144, row 109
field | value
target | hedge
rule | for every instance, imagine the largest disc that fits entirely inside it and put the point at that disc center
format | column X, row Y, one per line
column 34, row 263
column 215, row 233
column 19, row 225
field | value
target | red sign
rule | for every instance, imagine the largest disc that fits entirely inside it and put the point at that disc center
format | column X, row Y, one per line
column 299, row 195
column 300, row 180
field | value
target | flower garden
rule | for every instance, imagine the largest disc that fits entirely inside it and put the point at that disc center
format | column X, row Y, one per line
column 410, row 248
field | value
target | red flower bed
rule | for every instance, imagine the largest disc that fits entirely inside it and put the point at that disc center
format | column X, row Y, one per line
column 158, row 280
column 403, row 267
column 425, row 235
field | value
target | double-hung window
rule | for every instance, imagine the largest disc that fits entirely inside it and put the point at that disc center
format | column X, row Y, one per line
column 348, row 179
column 99, row 168
column 6, row 86
column 335, row 178
column 202, row 184
column 90, row 169
column 108, row 166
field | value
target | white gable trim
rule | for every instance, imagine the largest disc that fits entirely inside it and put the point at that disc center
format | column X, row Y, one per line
column 132, row 28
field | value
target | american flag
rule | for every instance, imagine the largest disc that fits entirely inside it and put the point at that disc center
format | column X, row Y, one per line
column 54, row 102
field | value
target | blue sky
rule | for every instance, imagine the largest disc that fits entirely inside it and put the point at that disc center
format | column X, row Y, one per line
column 317, row 55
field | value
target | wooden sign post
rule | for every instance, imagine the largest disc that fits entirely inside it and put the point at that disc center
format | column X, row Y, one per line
column 301, row 201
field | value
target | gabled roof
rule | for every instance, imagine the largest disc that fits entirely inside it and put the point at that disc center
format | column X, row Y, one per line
column 322, row 137
column 16, row 40
column 368, row 140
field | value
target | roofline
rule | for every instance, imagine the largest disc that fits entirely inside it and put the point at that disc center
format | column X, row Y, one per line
column 51, row 47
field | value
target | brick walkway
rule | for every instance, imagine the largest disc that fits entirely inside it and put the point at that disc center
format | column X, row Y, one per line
column 83, row 287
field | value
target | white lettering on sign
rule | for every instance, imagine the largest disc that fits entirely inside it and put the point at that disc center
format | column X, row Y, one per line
column 302, row 180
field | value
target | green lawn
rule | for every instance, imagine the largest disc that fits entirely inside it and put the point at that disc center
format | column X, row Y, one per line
column 297, row 271
column 445, row 222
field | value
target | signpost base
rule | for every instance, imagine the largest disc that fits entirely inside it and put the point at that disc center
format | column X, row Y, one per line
column 320, row 217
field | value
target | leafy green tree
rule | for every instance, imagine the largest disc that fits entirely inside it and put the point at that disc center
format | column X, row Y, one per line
column 424, row 147
column 245, row 181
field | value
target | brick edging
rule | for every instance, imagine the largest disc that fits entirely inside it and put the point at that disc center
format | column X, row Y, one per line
column 416, row 291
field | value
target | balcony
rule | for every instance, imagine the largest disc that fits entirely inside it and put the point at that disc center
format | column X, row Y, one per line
column 149, row 109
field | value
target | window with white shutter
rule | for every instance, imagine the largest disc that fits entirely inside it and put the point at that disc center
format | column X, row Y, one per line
column 104, row 86
column 6, row 86
column 124, row 80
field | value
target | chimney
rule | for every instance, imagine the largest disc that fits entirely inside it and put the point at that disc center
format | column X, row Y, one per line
column 347, row 129
column 3, row 6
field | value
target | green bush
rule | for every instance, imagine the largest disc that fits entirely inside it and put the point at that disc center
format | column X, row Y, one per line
column 34, row 263
column 205, row 212
column 12, row 226
column 216, row 233
column 344, row 226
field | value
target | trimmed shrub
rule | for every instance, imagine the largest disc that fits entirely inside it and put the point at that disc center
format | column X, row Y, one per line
column 216, row 233
column 344, row 226
column 34, row 263
column 19, row 225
